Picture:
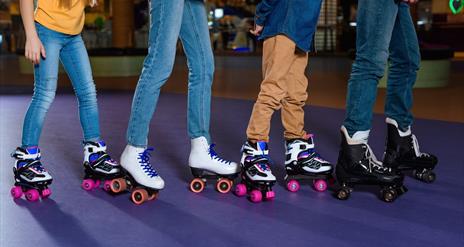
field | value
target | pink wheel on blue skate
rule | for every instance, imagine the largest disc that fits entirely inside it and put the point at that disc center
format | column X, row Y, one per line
column 107, row 185
column 256, row 196
column 293, row 185
column 270, row 195
column 88, row 184
column 96, row 184
column 46, row 193
column 16, row 192
column 32, row 195
column 320, row 185
column 240, row 190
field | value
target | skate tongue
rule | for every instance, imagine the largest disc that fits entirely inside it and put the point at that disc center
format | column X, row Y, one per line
column 32, row 150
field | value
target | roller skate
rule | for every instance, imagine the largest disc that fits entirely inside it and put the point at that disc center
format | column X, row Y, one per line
column 402, row 153
column 357, row 164
column 256, row 176
column 206, row 164
column 31, row 178
column 138, row 176
column 98, row 166
column 302, row 162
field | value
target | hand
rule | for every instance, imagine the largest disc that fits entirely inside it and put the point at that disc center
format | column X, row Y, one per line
column 34, row 50
column 257, row 31
column 411, row 1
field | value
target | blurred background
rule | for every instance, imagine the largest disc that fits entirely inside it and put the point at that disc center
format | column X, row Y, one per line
column 116, row 36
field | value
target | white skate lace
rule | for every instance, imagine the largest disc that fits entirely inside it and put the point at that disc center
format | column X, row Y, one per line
column 417, row 151
column 374, row 163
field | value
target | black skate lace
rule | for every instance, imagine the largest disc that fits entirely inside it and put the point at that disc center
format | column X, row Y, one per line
column 144, row 158
column 212, row 153
column 415, row 146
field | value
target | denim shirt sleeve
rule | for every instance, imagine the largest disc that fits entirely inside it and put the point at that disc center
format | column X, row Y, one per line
column 263, row 10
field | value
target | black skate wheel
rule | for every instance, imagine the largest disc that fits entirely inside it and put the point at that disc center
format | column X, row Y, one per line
column 389, row 195
column 343, row 194
column 428, row 177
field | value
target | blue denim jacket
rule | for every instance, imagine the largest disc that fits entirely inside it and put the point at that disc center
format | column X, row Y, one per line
column 297, row 19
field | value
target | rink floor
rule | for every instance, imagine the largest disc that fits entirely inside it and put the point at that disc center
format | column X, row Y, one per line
column 427, row 215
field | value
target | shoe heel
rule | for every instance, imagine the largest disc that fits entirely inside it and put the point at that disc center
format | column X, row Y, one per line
column 196, row 172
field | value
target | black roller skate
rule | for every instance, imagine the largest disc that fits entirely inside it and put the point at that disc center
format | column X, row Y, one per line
column 206, row 164
column 302, row 162
column 256, row 175
column 402, row 153
column 138, row 176
column 98, row 166
column 357, row 164
column 31, row 178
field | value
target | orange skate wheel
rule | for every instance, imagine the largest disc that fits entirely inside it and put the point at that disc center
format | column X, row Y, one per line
column 153, row 196
column 118, row 185
column 139, row 196
column 197, row 185
column 223, row 185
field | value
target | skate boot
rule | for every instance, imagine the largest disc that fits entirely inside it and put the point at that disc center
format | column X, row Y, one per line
column 98, row 166
column 31, row 178
column 302, row 162
column 139, row 177
column 357, row 164
column 256, row 175
column 206, row 164
column 402, row 153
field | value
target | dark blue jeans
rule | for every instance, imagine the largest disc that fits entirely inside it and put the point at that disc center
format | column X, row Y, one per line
column 385, row 32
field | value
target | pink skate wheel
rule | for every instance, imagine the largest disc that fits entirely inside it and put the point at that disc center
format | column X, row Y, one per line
column 293, row 185
column 270, row 195
column 240, row 190
column 88, row 184
column 256, row 196
column 96, row 184
column 320, row 185
column 32, row 195
column 46, row 193
column 107, row 185
column 16, row 192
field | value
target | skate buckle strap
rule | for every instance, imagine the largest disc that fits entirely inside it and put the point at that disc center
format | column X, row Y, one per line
column 144, row 158
column 212, row 153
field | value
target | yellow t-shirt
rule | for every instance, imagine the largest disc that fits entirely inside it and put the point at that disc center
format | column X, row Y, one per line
column 55, row 15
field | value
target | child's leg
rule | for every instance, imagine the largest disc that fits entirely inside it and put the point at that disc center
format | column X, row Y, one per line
column 278, row 57
column 295, row 99
column 76, row 63
column 45, row 81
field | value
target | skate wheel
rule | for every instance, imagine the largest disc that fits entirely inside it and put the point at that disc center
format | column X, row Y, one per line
column 118, row 185
column 32, row 195
column 46, row 193
column 256, row 196
column 293, row 185
column 389, row 195
column 320, row 185
column 429, row 177
column 197, row 185
column 223, row 185
column 107, row 185
column 240, row 190
column 343, row 194
column 270, row 195
column 16, row 192
column 139, row 196
column 331, row 181
column 153, row 196
column 88, row 184
column 96, row 184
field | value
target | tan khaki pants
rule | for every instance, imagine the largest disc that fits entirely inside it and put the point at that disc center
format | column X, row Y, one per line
column 284, row 87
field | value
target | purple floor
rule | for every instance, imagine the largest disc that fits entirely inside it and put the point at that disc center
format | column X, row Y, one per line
column 428, row 215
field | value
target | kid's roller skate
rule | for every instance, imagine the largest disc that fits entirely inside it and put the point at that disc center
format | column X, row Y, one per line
column 257, row 177
column 402, row 153
column 138, row 176
column 31, row 178
column 206, row 164
column 357, row 164
column 302, row 162
column 98, row 166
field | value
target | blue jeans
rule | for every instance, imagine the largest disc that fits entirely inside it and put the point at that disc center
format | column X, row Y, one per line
column 70, row 49
column 385, row 31
column 171, row 20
